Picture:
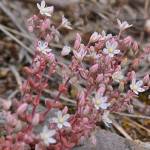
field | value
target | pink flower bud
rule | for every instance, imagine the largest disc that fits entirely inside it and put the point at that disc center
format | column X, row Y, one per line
column 86, row 110
column 30, row 28
column 146, row 79
column 94, row 37
column 65, row 110
column 6, row 104
column 11, row 119
column 45, row 25
column 22, row 108
column 85, row 120
column 99, row 78
column 101, row 89
column 82, row 98
column 135, row 63
column 94, row 68
column 51, row 57
column 36, row 119
column 65, row 51
column 48, row 38
column 77, row 42
column 128, row 41
column 135, row 46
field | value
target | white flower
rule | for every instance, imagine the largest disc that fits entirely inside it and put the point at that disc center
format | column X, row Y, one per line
column 43, row 47
column 136, row 86
column 46, row 136
column 47, row 11
column 80, row 54
column 105, row 118
column 61, row 120
column 66, row 50
column 65, row 23
column 94, row 37
column 111, row 48
column 100, row 102
column 117, row 76
column 106, row 36
column 123, row 25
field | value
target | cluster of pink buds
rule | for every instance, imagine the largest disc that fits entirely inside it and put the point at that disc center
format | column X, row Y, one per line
column 102, row 69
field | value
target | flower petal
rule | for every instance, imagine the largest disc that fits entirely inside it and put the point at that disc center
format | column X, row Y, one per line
column 66, row 117
column 114, row 45
column 38, row 6
column 141, row 90
column 51, row 140
column 52, row 132
column 104, row 99
column 108, row 44
column 117, row 51
column 42, row 3
column 111, row 55
column 139, row 83
column 59, row 125
column 105, row 50
column 59, row 114
column 104, row 105
column 67, row 124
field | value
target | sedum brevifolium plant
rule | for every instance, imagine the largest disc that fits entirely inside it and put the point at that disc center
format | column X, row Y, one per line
column 103, row 66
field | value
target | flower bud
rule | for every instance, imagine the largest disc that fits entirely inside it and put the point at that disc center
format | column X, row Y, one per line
column 101, row 89
column 65, row 110
column 94, row 37
column 146, row 79
column 30, row 28
column 121, row 86
column 82, row 98
column 22, row 108
column 94, row 68
column 77, row 41
column 6, row 104
column 65, row 51
column 36, row 119
column 99, row 78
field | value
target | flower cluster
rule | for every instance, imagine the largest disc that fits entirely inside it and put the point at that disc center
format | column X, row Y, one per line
column 102, row 70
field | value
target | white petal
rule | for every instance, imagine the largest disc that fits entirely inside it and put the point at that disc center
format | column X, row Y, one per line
column 114, row 45
column 117, row 51
column 136, row 92
column 66, row 117
column 38, row 6
column 44, row 45
column 104, row 99
column 51, row 140
column 141, row 90
column 59, row 125
column 139, row 83
column 111, row 55
column 104, row 105
column 42, row 3
column 52, row 132
column 97, row 107
column 49, row 9
column 45, row 129
column 67, row 124
column 105, row 50
column 103, row 33
column 108, row 44
column 109, row 36
column 47, row 14
column 59, row 114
